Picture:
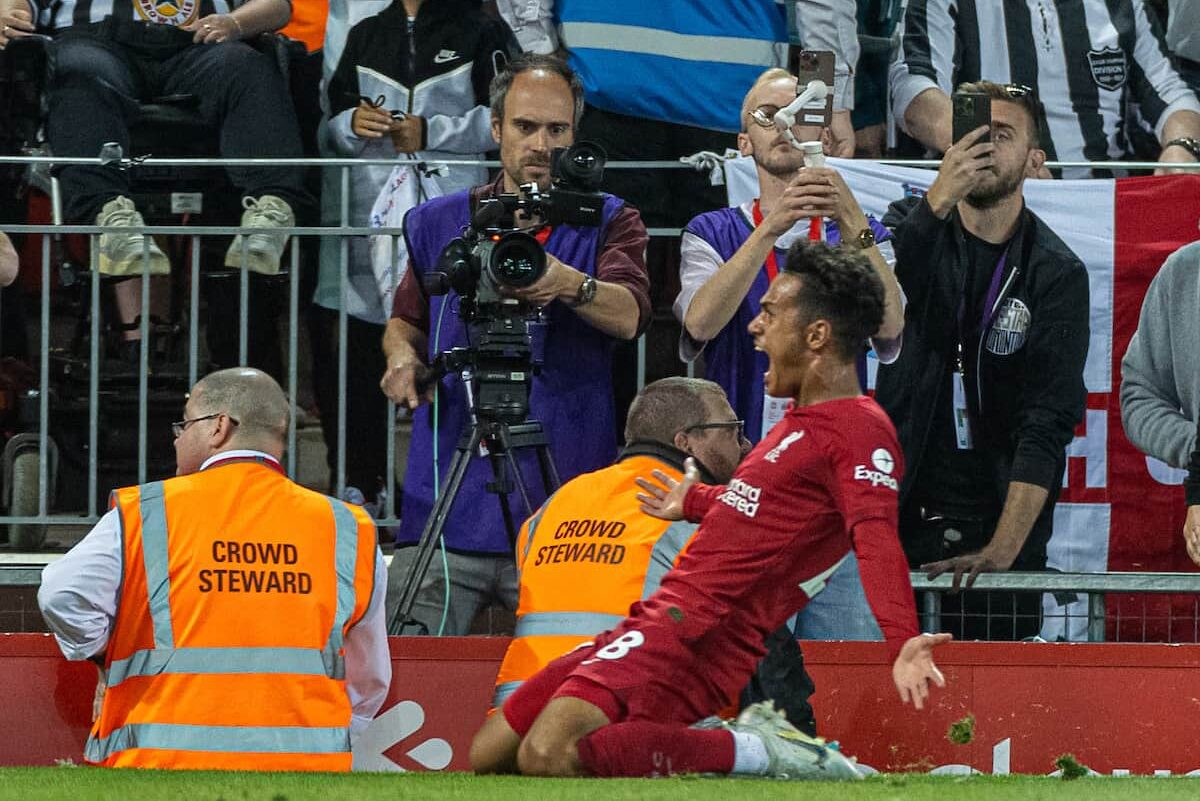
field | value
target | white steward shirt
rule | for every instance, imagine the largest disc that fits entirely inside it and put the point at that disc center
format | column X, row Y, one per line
column 79, row 594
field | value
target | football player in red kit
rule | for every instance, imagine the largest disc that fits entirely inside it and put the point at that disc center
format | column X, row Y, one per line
column 822, row 482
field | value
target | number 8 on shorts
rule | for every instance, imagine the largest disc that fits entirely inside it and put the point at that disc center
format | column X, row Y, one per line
column 619, row 647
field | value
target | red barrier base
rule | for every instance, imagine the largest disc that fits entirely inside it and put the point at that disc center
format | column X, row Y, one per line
column 1121, row 707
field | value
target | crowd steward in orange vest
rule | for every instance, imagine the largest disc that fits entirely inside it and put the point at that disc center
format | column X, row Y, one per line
column 237, row 616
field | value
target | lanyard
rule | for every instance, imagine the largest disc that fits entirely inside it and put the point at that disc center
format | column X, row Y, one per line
column 989, row 303
column 772, row 263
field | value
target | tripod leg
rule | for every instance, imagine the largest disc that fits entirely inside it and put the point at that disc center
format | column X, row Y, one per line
column 550, row 480
column 510, row 525
column 431, row 536
column 498, row 462
column 515, row 466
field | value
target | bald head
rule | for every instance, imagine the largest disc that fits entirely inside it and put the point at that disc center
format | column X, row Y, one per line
column 768, row 83
column 670, row 405
column 252, row 398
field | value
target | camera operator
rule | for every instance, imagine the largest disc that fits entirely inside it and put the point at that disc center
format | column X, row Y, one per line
column 594, row 292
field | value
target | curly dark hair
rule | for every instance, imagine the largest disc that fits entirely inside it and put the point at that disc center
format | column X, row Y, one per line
column 840, row 286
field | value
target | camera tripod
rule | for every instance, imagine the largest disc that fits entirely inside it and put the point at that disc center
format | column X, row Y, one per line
column 502, row 440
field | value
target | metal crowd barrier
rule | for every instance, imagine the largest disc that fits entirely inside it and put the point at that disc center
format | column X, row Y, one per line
column 24, row 571
column 1092, row 589
column 44, row 516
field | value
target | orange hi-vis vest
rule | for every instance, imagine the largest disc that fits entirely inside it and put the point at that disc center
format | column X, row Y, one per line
column 585, row 557
column 227, row 650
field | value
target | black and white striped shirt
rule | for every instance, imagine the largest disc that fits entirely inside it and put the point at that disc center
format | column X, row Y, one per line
column 1087, row 59
column 59, row 14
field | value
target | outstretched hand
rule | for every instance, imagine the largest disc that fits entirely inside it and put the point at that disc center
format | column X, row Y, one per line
column 914, row 668
column 664, row 500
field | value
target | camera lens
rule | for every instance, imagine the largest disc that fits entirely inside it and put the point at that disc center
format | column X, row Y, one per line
column 580, row 166
column 516, row 260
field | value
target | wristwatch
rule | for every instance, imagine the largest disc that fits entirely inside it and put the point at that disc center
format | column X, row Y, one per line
column 865, row 238
column 586, row 293
column 1188, row 143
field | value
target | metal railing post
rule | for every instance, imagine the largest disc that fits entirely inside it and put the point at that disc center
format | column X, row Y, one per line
column 244, row 306
column 44, row 386
column 293, row 366
column 343, row 332
column 389, row 471
column 194, row 316
column 1096, row 617
column 94, row 381
column 931, row 611
column 144, row 365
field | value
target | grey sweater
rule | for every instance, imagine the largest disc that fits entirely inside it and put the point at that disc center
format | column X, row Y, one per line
column 1191, row 486
column 1160, row 374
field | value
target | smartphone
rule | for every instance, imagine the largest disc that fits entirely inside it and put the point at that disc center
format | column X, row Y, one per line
column 971, row 109
column 815, row 65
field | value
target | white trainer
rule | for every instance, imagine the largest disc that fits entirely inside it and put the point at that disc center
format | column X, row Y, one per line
column 792, row 754
column 127, row 252
column 263, row 250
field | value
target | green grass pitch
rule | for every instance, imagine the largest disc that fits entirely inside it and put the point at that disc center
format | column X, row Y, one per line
column 89, row 784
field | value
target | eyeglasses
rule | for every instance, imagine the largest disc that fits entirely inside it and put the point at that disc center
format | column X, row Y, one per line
column 177, row 428
column 738, row 425
column 764, row 116
column 1016, row 90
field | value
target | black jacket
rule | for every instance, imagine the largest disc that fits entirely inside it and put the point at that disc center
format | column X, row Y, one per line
column 1024, row 382
column 447, row 35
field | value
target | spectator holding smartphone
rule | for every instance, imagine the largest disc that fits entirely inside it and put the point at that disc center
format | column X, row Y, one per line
column 989, row 386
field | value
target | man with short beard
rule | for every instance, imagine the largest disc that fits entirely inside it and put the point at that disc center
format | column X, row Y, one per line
column 595, row 291
column 989, row 387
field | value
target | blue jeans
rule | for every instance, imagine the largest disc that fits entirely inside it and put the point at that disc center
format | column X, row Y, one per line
column 840, row 610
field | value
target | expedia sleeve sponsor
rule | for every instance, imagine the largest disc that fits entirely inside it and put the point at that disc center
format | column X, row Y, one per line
column 879, row 472
column 260, row 567
column 580, row 543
